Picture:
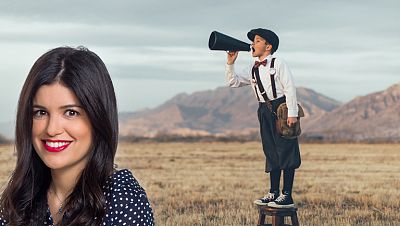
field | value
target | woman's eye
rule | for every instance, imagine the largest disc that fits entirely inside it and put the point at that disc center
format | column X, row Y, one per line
column 39, row 113
column 71, row 113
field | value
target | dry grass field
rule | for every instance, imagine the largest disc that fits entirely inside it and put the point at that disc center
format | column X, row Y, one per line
column 214, row 184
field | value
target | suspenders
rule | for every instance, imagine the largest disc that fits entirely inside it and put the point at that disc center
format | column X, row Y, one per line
column 256, row 76
column 272, row 73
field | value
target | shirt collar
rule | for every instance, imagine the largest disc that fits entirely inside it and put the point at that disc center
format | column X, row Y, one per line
column 268, row 58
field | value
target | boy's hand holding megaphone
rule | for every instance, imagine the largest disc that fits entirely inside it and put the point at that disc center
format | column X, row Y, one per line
column 232, row 57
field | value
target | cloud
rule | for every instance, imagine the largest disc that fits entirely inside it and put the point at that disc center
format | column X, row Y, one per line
column 352, row 45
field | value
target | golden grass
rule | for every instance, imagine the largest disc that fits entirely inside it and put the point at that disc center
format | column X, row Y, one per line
column 214, row 184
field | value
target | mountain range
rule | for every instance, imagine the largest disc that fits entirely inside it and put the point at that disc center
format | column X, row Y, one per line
column 213, row 112
column 374, row 117
column 233, row 111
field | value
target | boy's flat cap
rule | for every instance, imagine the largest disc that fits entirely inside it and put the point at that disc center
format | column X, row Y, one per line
column 268, row 35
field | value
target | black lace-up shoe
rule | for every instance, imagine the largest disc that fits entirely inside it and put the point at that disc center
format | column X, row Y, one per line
column 271, row 196
column 283, row 201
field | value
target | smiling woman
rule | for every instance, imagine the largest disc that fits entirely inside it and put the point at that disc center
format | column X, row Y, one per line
column 66, row 139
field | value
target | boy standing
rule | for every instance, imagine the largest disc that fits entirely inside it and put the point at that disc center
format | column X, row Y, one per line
column 272, row 83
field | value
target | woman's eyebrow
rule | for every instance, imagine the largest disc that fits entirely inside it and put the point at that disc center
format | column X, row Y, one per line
column 38, row 106
column 62, row 107
column 71, row 106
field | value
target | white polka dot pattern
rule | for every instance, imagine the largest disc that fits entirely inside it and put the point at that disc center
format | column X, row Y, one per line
column 127, row 203
column 2, row 222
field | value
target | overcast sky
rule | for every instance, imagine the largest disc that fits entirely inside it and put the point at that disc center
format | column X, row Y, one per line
column 157, row 49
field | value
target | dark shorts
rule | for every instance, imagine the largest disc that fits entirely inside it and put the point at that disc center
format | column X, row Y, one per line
column 280, row 153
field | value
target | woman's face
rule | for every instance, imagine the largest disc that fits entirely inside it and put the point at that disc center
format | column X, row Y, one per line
column 61, row 130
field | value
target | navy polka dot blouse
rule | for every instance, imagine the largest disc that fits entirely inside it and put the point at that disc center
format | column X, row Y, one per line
column 129, row 204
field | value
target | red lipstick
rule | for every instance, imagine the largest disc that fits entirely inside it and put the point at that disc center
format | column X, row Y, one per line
column 56, row 145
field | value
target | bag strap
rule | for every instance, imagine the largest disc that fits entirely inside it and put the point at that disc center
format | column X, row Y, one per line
column 272, row 72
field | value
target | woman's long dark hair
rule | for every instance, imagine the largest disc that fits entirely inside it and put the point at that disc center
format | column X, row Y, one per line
column 24, row 201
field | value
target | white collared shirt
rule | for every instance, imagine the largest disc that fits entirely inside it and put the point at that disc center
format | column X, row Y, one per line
column 283, row 82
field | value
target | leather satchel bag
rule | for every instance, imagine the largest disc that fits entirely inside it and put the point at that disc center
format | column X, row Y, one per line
column 281, row 123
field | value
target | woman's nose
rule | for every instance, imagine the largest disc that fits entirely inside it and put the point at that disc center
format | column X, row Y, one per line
column 54, row 126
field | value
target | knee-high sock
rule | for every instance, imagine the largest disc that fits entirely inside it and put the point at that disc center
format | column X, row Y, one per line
column 288, row 178
column 275, row 177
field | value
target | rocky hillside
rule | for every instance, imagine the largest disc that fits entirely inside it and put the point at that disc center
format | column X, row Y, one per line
column 374, row 117
column 221, row 111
